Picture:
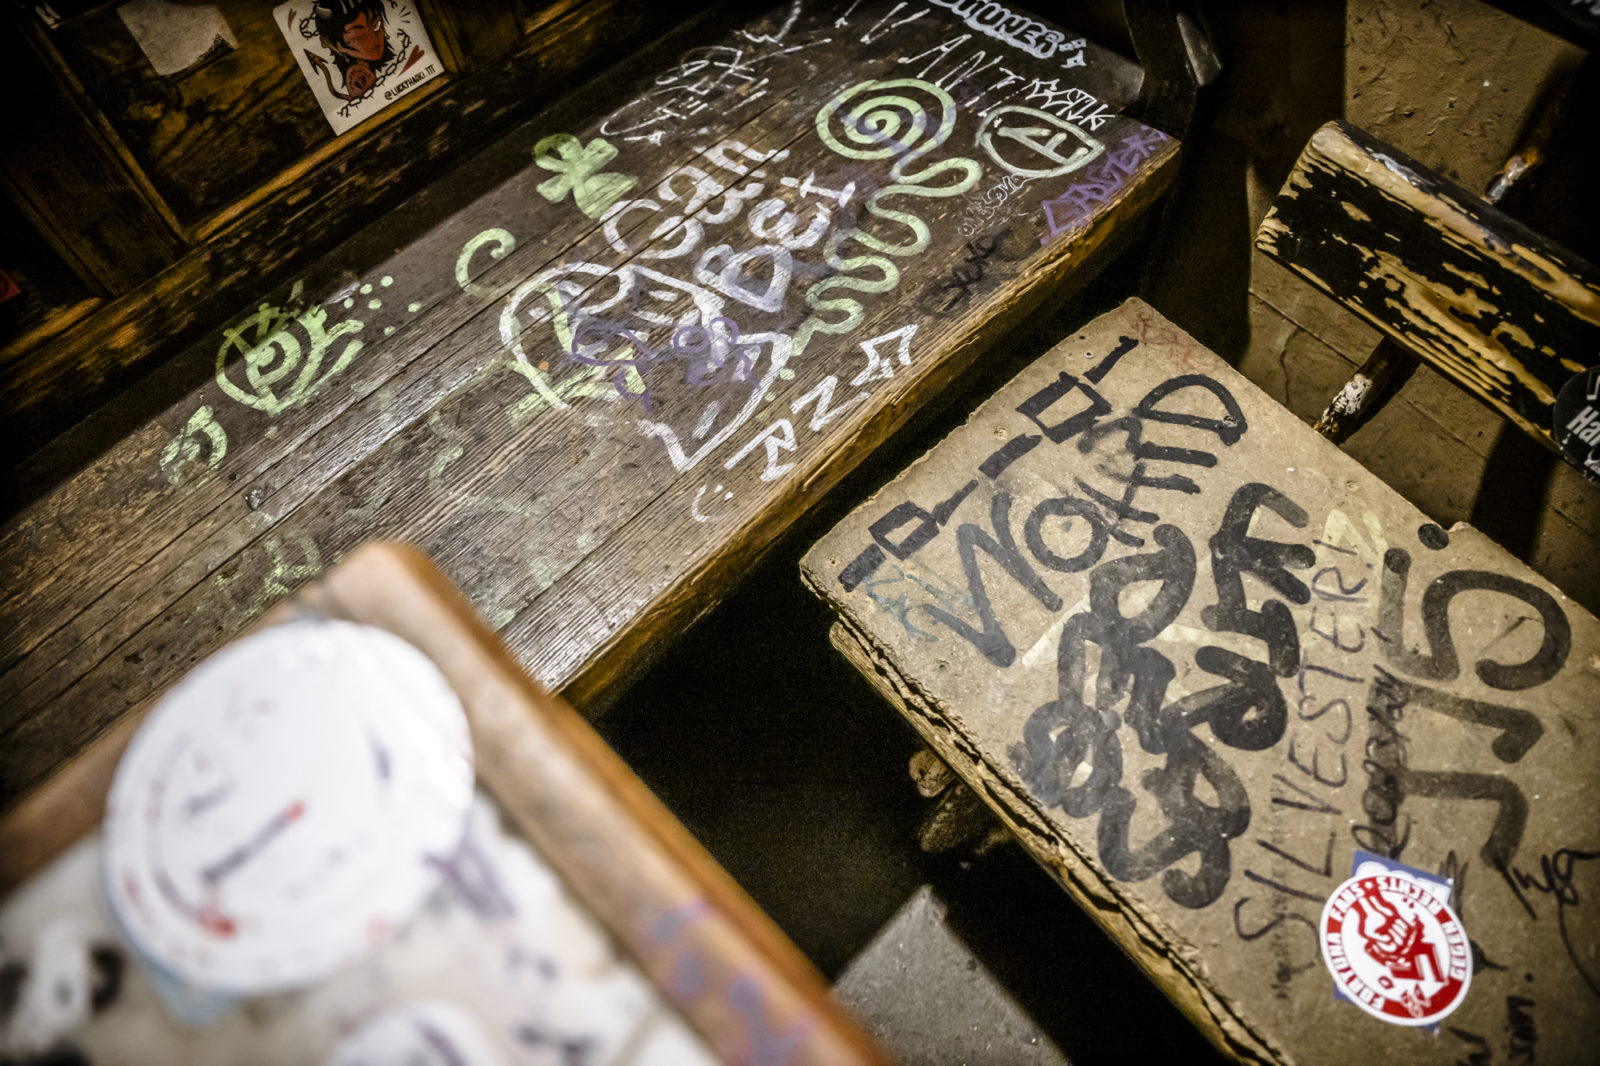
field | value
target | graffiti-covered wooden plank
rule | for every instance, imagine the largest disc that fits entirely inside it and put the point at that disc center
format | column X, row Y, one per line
column 602, row 383
column 1498, row 308
column 622, row 901
column 395, row 305
column 336, row 188
column 1211, row 671
column 184, row 511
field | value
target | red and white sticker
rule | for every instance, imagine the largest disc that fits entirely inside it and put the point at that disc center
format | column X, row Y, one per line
column 1394, row 946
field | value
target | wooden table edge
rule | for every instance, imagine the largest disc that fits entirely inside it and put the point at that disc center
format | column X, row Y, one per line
column 590, row 807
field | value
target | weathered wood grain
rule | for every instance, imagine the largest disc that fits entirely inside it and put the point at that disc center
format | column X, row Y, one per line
column 1195, row 657
column 544, row 486
column 307, row 444
column 613, row 843
column 471, row 33
column 209, row 136
column 165, row 539
column 1504, row 312
column 113, row 231
column 305, row 210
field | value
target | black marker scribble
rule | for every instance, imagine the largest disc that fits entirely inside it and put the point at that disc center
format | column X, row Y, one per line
column 981, row 253
column 1062, row 410
column 1391, row 697
column 1386, row 831
column 1441, row 662
column 1245, row 712
column 1554, row 878
column 1001, row 546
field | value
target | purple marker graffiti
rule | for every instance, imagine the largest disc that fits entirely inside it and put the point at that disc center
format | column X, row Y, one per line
column 666, row 927
column 471, row 875
column 691, row 980
column 712, row 353
column 1099, row 183
column 767, row 1048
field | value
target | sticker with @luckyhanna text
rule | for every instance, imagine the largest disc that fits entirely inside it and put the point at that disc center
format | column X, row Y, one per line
column 1393, row 944
column 358, row 56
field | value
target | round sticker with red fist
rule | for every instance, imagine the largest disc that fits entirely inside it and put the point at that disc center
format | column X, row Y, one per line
column 1394, row 946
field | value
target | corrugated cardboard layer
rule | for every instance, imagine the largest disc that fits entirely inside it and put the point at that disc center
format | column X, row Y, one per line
column 1196, row 657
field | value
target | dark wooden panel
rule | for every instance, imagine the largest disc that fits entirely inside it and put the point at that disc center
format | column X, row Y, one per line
column 208, row 136
column 47, row 292
column 587, row 519
column 1504, row 312
column 111, row 230
column 470, row 33
column 46, row 389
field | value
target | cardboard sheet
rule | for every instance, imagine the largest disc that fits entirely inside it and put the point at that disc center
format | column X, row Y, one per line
column 1327, row 770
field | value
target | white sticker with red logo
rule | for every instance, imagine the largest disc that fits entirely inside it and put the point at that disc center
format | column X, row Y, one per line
column 1395, row 947
column 359, row 56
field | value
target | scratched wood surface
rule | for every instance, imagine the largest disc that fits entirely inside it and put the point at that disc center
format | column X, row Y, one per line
column 245, row 247
column 210, row 136
column 1195, row 656
column 594, row 387
column 1502, row 311
column 657, row 892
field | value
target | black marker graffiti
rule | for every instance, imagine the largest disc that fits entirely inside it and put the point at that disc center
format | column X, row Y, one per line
column 1386, row 831
column 1070, row 407
column 1524, row 1035
column 981, row 254
column 1246, row 711
column 1440, row 662
column 1518, row 730
column 1001, row 546
column 1554, row 878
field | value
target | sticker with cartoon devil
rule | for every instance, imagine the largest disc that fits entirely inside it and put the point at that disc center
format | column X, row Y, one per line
column 359, row 56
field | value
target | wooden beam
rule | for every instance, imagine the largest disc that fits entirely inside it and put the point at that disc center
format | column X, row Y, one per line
column 1499, row 309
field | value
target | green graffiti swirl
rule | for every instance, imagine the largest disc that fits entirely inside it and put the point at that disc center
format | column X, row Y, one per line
column 501, row 245
column 882, row 124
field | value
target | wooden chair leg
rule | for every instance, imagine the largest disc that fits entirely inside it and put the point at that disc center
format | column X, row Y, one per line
column 931, row 774
column 961, row 822
column 1386, row 369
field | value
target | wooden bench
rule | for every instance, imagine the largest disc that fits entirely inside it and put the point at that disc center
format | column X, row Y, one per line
column 646, row 941
column 1506, row 314
column 597, row 370
column 174, row 164
column 1198, row 661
